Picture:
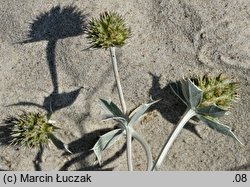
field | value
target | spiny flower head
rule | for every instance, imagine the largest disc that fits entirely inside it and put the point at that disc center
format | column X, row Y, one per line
column 108, row 31
column 31, row 130
column 217, row 91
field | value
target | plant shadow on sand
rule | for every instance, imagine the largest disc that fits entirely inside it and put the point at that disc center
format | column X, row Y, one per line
column 170, row 107
column 58, row 23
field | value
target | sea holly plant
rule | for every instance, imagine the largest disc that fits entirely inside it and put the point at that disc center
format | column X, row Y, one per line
column 125, row 127
column 33, row 130
column 206, row 98
column 108, row 32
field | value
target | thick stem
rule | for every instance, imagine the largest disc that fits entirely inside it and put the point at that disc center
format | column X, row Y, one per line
column 129, row 148
column 186, row 117
column 117, row 79
column 146, row 148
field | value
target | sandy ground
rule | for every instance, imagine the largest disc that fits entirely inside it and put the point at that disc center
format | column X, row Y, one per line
column 43, row 59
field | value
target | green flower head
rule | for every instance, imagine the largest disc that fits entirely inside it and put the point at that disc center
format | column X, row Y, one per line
column 219, row 91
column 31, row 130
column 108, row 31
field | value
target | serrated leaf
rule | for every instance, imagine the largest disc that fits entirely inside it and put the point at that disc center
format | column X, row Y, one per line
column 176, row 88
column 138, row 112
column 58, row 143
column 106, row 141
column 110, row 107
column 213, row 111
column 219, row 127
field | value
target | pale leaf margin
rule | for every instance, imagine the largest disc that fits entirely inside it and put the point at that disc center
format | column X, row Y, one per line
column 138, row 113
column 106, row 141
column 219, row 127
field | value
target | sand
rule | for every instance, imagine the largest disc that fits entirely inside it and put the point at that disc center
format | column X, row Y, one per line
column 43, row 59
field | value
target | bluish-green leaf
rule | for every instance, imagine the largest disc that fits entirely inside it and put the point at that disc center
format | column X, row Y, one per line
column 120, row 120
column 219, row 127
column 185, row 90
column 110, row 107
column 138, row 112
column 176, row 88
column 212, row 111
column 105, row 141
column 194, row 94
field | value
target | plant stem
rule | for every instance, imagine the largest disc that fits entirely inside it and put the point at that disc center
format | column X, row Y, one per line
column 129, row 148
column 117, row 79
column 185, row 118
column 146, row 148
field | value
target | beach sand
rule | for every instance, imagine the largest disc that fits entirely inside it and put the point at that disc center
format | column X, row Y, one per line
column 44, row 60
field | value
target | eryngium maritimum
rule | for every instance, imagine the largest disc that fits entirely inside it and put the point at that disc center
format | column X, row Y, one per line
column 217, row 91
column 108, row 31
column 31, row 130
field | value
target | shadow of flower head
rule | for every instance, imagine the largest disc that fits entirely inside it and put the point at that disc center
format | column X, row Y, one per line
column 58, row 23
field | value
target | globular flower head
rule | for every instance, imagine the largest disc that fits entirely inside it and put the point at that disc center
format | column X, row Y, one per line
column 30, row 130
column 108, row 31
column 219, row 90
